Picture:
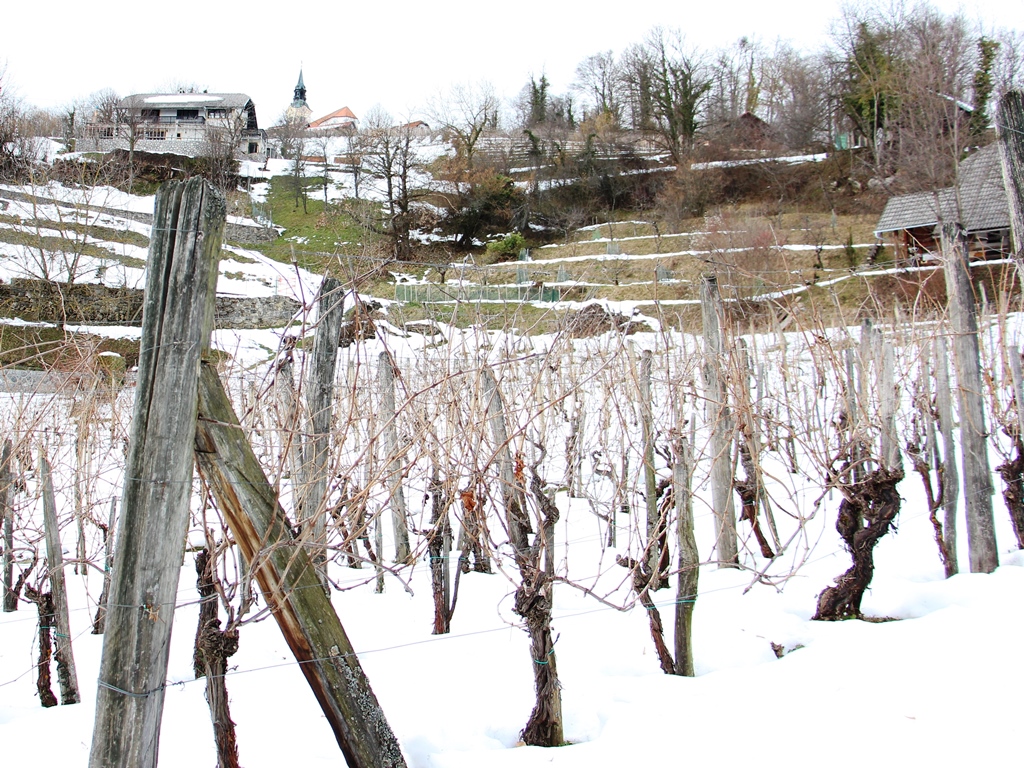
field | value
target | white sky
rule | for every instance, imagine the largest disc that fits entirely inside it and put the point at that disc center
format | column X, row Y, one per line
column 358, row 54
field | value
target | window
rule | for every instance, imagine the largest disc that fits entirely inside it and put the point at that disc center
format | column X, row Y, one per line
column 188, row 114
column 253, row 147
column 217, row 113
column 154, row 134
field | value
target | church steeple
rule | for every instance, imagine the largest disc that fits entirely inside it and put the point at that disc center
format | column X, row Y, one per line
column 299, row 99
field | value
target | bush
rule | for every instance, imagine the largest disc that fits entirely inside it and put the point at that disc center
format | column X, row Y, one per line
column 507, row 248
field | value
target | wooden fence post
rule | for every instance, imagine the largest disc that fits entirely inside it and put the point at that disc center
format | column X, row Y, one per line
column 718, row 418
column 655, row 524
column 289, row 582
column 66, row 675
column 396, row 497
column 977, row 476
column 177, row 320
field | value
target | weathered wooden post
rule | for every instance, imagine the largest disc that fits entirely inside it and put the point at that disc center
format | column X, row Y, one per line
column 320, row 404
column 977, row 475
column 1010, row 125
column 396, row 497
column 289, row 582
column 177, row 319
column 655, row 525
column 10, row 600
column 717, row 409
column 66, row 675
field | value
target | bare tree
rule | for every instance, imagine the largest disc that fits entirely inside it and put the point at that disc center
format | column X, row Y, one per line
column 598, row 81
column 463, row 113
column 389, row 153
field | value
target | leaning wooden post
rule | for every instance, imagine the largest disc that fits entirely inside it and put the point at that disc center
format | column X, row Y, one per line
column 1010, row 125
column 66, row 675
column 320, row 403
column 177, row 320
column 288, row 580
column 10, row 600
column 396, row 496
column 981, row 537
column 718, row 417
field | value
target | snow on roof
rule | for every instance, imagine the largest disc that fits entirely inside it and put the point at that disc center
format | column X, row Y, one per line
column 182, row 99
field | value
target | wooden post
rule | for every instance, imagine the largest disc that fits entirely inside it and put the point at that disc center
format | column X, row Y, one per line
column 177, row 320
column 689, row 559
column 289, row 582
column 718, row 418
column 320, row 404
column 981, row 538
column 396, row 499
column 1010, row 125
column 10, row 600
column 66, row 675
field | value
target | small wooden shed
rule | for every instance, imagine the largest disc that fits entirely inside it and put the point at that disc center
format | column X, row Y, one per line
column 978, row 202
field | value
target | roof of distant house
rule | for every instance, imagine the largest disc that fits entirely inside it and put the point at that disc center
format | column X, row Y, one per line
column 978, row 201
column 184, row 100
column 337, row 117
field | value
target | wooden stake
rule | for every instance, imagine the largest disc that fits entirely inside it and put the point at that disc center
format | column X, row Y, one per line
column 176, row 325
column 1010, row 125
column 289, row 582
column 320, row 403
column 396, row 500
column 66, row 675
column 10, row 600
column 981, row 537
column 719, row 421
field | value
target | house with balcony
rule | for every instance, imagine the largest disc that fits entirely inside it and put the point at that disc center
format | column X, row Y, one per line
column 190, row 124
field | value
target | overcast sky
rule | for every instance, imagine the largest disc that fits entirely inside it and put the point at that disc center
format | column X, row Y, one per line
column 358, row 54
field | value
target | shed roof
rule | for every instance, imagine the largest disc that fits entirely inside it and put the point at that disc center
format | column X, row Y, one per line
column 978, row 201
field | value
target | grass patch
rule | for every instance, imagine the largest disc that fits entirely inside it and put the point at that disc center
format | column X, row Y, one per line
column 315, row 234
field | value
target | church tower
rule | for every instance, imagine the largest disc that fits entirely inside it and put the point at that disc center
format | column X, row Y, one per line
column 298, row 110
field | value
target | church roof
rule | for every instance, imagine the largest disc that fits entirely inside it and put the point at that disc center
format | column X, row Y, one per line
column 337, row 117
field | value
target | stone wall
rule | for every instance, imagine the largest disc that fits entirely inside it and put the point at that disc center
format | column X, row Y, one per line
column 89, row 304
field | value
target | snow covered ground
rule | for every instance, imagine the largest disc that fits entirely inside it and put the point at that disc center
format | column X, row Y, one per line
column 938, row 685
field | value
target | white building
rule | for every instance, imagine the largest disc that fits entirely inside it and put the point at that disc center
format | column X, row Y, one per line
column 192, row 124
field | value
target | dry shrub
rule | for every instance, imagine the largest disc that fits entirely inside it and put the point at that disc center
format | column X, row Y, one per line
column 594, row 319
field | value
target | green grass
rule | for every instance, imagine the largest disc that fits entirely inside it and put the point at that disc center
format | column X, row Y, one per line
column 312, row 231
